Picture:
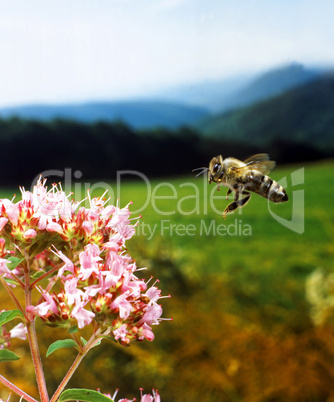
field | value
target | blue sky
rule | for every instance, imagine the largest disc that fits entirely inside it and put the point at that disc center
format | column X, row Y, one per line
column 77, row 50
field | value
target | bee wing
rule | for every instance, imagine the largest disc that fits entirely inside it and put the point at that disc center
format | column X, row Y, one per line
column 258, row 162
column 257, row 158
column 264, row 167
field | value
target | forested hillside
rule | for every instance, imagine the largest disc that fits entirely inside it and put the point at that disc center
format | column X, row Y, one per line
column 99, row 150
column 304, row 115
column 138, row 114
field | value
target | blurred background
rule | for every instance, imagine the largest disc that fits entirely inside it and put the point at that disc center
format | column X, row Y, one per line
column 161, row 87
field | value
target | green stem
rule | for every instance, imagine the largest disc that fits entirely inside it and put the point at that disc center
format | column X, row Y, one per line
column 36, row 358
column 12, row 295
column 48, row 273
column 16, row 389
column 91, row 343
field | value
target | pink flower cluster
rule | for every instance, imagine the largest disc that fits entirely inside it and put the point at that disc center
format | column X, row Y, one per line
column 42, row 212
column 104, row 281
column 143, row 398
column 91, row 278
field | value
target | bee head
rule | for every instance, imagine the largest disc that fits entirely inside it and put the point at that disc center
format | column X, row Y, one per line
column 215, row 168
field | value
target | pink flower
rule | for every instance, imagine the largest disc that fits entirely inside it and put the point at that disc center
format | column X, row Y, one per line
column 12, row 210
column 97, row 206
column 115, row 265
column 3, row 266
column 153, row 293
column 19, row 331
column 27, row 197
column 122, row 305
column 42, row 222
column 121, row 332
column 54, row 227
column 151, row 315
column 52, row 203
column 89, row 261
column 88, row 227
column 129, row 284
column 101, row 287
column 41, row 309
column 144, row 398
column 107, row 211
column 145, row 331
column 111, row 245
column 93, row 290
column 68, row 264
column 29, row 234
column 149, row 397
column 119, row 216
column 73, row 294
column 83, row 316
column 3, row 222
column 126, row 231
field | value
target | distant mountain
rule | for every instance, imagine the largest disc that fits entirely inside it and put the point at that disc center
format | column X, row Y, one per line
column 304, row 114
column 228, row 94
column 175, row 107
column 210, row 94
column 273, row 83
column 138, row 114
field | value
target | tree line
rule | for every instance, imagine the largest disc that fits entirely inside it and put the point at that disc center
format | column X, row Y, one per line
column 101, row 149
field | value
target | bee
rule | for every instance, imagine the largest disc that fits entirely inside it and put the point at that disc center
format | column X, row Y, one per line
column 243, row 177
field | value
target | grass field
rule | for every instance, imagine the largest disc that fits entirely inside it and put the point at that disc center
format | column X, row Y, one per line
column 262, row 267
column 260, row 255
column 242, row 329
column 250, row 238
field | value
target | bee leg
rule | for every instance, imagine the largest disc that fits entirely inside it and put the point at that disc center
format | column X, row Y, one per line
column 229, row 191
column 244, row 200
column 233, row 205
column 237, row 202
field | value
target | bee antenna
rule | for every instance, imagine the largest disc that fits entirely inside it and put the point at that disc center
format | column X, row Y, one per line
column 203, row 169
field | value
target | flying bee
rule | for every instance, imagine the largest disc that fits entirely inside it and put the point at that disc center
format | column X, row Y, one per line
column 243, row 177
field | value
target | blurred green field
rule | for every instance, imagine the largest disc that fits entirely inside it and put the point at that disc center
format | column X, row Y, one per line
column 242, row 329
column 252, row 284
column 251, row 238
column 258, row 255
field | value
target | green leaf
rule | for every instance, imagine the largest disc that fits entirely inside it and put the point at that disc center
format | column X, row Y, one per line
column 73, row 329
column 110, row 338
column 87, row 395
column 83, row 340
column 14, row 262
column 7, row 355
column 37, row 275
column 11, row 281
column 64, row 343
column 10, row 315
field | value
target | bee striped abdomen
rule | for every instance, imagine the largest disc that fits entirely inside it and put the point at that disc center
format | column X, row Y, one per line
column 277, row 193
column 268, row 188
column 265, row 184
